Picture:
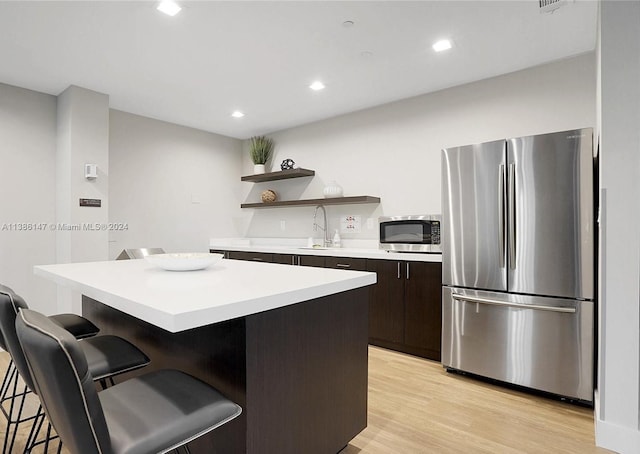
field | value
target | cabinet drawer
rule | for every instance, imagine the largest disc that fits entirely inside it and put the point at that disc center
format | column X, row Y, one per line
column 311, row 260
column 285, row 259
column 346, row 263
column 251, row 256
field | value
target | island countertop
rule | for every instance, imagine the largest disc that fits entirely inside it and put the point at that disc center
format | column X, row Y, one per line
column 182, row 300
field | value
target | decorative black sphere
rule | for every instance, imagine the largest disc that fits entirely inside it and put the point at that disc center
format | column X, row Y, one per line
column 287, row 164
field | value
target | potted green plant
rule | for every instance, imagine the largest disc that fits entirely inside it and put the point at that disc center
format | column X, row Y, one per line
column 260, row 150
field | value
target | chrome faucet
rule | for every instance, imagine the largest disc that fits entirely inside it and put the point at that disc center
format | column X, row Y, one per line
column 324, row 228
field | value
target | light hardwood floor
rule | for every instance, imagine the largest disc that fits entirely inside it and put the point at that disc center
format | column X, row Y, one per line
column 415, row 407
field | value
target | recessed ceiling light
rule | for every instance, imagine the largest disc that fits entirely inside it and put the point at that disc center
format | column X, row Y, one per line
column 317, row 85
column 441, row 45
column 348, row 23
column 169, row 7
column 237, row 114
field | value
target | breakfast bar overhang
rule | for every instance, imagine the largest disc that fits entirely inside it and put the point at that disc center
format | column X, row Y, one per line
column 287, row 343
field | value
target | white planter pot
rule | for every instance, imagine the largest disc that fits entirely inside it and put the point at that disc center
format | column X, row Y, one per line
column 258, row 168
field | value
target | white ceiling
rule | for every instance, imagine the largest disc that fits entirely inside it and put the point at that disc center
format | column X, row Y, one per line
column 196, row 68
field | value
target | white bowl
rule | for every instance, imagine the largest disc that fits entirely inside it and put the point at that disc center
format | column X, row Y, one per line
column 184, row 261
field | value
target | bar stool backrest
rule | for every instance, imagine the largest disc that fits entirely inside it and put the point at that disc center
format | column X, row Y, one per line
column 64, row 384
column 10, row 304
column 4, row 291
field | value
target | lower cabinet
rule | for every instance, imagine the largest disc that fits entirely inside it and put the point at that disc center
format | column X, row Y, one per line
column 287, row 259
column 386, row 303
column 346, row 263
column 251, row 256
column 301, row 260
column 405, row 307
column 311, row 260
column 423, row 309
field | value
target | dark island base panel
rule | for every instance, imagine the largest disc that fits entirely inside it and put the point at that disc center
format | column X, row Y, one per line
column 426, row 353
column 299, row 372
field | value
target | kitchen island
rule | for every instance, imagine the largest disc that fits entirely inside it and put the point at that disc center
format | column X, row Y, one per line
column 288, row 344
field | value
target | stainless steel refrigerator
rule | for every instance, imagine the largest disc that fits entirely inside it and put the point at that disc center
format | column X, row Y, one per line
column 518, row 261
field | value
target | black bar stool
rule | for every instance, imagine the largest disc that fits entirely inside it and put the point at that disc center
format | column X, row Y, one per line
column 79, row 326
column 107, row 356
column 154, row 413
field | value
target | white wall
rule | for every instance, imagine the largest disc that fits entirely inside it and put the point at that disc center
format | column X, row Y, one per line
column 82, row 138
column 618, row 397
column 175, row 187
column 393, row 151
column 27, row 163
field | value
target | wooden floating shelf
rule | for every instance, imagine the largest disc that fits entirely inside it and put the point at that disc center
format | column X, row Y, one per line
column 323, row 201
column 281, row 175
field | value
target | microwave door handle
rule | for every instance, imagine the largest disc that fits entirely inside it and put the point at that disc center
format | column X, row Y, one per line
column 512, row 216
column 501, row 217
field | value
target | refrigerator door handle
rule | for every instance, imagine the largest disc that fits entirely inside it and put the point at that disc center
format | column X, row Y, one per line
column 472, row 299
column 512, row 216
column 501, row 220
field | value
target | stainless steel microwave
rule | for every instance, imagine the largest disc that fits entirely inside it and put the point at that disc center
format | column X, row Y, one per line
column 419, row 233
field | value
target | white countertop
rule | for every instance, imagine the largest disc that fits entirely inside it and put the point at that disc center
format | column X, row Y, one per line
column 296, row 246
column 177, row 301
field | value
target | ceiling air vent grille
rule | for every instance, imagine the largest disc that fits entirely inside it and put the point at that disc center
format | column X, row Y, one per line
column 549, row 6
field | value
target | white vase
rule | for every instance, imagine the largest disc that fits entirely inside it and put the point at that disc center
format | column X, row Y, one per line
column 332, row 190
column 258, row 168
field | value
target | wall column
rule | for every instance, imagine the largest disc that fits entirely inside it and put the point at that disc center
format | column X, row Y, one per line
column 82, row 138
column 617, row 400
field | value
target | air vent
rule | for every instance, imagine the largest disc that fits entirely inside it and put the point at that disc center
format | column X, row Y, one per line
column 549, row 6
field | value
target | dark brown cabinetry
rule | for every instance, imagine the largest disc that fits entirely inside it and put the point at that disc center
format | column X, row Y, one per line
column 423, row 308
column 405, row 307
column 346, row 263
column 311, row 260
column 301, row 260
column 251, row 256
column 386, row 303
column 216, row 251
column 286, row 259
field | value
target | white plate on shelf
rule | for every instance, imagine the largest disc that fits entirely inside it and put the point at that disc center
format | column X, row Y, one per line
column 183, row 261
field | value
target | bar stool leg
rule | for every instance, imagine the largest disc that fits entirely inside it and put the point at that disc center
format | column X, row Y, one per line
column 14, row 422
column 11, row 369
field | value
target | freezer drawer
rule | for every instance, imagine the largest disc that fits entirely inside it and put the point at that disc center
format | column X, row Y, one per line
column 537, row 342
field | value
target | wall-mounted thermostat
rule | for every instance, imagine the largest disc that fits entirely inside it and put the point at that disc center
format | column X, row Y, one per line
column 90, row 171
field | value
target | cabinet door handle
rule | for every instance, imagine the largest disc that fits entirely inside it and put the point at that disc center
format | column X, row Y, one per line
column 293, row 259
column 343, row 265
column 256, row 259
column 407, row 270
column 398, row 270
